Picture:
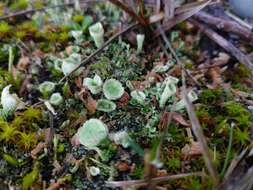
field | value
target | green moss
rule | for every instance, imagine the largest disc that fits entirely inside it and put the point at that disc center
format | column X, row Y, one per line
column 28, row 27
column 242, row 136
column 19, row 5
column 32, row 115
column 210, row 96
column 174, row 163
column 38, row 4
column 27, row 141
column 241, row 87
column 20, row 34
column 7, row 132
column 138, row 172
column 31, row 177
column 5, row 29
column 10, row 160
column 238, row 113
column 203, row 114
column 78, row 18
column 243, row 71
column 63, row 37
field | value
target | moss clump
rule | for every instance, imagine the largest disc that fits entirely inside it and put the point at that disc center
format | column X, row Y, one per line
column 78, row 18
column 21, row 130
column 5, row 29
column 210, row 96
column 19, row 5
column 238, row 113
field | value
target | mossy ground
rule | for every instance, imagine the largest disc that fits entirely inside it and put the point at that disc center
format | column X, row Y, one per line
column 217, row 108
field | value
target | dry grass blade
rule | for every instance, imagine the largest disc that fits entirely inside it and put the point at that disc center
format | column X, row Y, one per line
column 139, row 183
column 228, row 46
column 201, row 138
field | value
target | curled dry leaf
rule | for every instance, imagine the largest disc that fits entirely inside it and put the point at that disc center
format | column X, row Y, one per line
column 122, row 166
column 191, row 150
column 23, row 89
column 90, row 104
column 180, row 119
column 215, row 74
column 23, row 63
column 37, row 149
column 162, row 173
column 38, row 53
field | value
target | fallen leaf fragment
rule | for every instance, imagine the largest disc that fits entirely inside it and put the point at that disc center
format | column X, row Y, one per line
column 191, row 150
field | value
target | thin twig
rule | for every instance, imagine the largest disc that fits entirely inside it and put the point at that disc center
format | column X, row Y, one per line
column 227, row 25
column 98, row 51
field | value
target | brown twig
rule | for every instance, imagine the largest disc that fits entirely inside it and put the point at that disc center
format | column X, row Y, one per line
column 228, row 46
column 129, row 11
column 227, row 25
column 98, row 51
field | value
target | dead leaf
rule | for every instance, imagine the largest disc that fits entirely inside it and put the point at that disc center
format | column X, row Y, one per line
column 164, row 120
column 123, row 100
column 37, row 149
column 162, row 173
column 90, row 104
column 23, row 63
column 215, row 74
column 122, row 166
column 190, row 150
column 179, row 119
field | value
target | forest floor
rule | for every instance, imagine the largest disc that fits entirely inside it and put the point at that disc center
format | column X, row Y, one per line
column 116, row 95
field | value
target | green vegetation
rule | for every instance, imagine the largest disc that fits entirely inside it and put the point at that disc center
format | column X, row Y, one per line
column 111, row 119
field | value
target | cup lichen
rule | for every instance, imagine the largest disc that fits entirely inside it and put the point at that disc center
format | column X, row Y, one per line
column 105, row 105
column 93, row 84
column 97, row 33
column 92, row 133
column 113, row 89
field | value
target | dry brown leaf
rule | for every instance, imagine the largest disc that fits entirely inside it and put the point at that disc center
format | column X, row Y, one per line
column 90, row 104
column 215, row 74
column 37, row 149
column 123, row 100
column 164, row 120
column 162, row 173
column 180, row 119
column 23, row 63
column 38, row 53
column 190, row 150
column 122, row 166
column 23, row 89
